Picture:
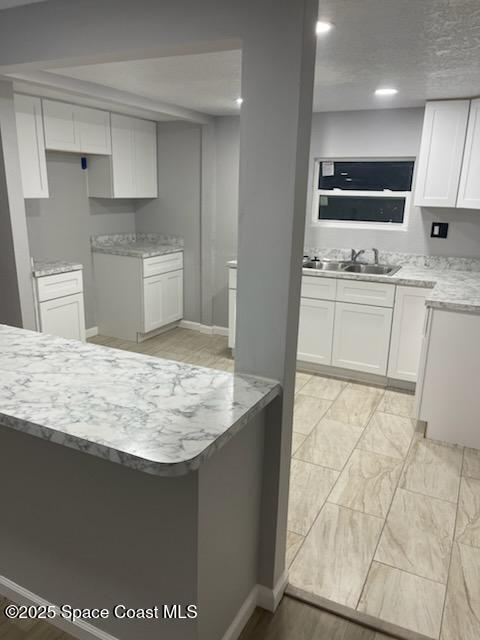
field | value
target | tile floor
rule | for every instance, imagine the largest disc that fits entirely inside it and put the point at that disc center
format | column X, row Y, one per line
column 380, row 519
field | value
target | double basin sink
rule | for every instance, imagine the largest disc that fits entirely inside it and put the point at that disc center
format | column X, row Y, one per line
column 348, row 266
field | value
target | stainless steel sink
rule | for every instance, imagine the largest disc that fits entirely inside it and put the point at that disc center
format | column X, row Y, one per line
column 377, row 269
column 348, row 266
column 326, row 265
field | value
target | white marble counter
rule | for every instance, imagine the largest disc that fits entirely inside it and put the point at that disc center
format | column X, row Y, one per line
column 51, row 267
column 451, row 289
column 157, row 416
column 136, row 245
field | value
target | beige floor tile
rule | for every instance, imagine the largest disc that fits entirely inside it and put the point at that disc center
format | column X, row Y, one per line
column 297, row 440
column 403, row 599
column 307, row 412
column 388, row 434
column 301, row 380
column 398, row 402
column 309, row 488
column 433, row 469
column 294, row 542
column 468, row 518
column 355, row 404
column 461, row 620
column 367, row 483
column 418, row 535
column 321, row 387
column 334, row 559
column 471, row 463
column 330, row 444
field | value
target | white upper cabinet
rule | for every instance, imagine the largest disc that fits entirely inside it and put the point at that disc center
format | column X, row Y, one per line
column 31, row 146
column 69, row 127
column 131, row 171
column 469, row 192
column 441, row 152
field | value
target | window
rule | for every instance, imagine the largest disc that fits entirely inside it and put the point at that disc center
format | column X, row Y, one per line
column 363, row 193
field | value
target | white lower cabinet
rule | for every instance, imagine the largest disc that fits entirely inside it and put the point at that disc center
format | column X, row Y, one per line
column 407, row 332
column 64, row 317
column 315, row 330
column 162, row 300
column 361, row 338
column 232, row 315
column 60, row 305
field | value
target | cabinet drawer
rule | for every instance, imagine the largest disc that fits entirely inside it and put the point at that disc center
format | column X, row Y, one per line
column 319, row 288
column 162, row 264
column 378, row 294
column 59, row 285
column 232, row 278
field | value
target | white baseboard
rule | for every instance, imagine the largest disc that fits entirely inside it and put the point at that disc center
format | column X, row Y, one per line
column 243, row 616
column 269, row 599
column 92, row 332
column 204, row 328
column 78, row 629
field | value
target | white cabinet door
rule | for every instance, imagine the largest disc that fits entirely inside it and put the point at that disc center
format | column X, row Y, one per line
column 361, row 337
column 61, row 132
column 232, row 317
column 145, row 160
column 469, row 192
column 441, row 152
column 123, row 157
column 63, row 317
column 407, row 333
column 93, row 127
column 172, row 296
column 315, row 331
column 162, row 300
column 31, row 146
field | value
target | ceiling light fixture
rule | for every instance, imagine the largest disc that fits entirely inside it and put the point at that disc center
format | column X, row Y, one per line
column 322, row 27
column 386, row 91
column 238, row 101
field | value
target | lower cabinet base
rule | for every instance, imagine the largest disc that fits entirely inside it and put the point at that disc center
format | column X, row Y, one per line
column 357, row 376
column 141, row 337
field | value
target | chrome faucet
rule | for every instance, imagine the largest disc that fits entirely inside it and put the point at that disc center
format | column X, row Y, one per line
column 375, row 255
column 357, row 254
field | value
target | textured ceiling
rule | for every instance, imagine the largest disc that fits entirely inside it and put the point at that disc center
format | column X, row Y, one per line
column 425, row 48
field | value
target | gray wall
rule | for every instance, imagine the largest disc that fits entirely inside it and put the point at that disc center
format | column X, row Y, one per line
column 59, row 227
column 394, row 133
column 177, row 209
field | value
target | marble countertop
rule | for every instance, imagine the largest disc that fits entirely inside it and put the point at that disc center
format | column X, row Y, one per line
column 450, row 288
column 50, row 267
column 136, row 245
column 157, row 416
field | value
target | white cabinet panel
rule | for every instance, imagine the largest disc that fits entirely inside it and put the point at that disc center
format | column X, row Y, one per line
column 131, row 170
column 145, row 161
column 232, row 278
column 319, row 287
column 469, row 192
column 232, row 316
column 162, row 300
column 441, row 152
column 63, row 317
column 375, row 293
column 361, row 337
column 60, row 129
column 407, row 333
column 94, row 130
column 59, row 285
column 31, row 146
column 315, row 331
column 162, row 264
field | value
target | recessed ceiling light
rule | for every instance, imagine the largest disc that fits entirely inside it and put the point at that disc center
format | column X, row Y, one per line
column 238, row 101
column 386, row 91
column 322, row 27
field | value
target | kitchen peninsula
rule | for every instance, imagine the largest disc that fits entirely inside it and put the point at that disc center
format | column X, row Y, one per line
column 135, row 475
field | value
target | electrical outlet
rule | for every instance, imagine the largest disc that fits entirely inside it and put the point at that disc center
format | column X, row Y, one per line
column 439, row 230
